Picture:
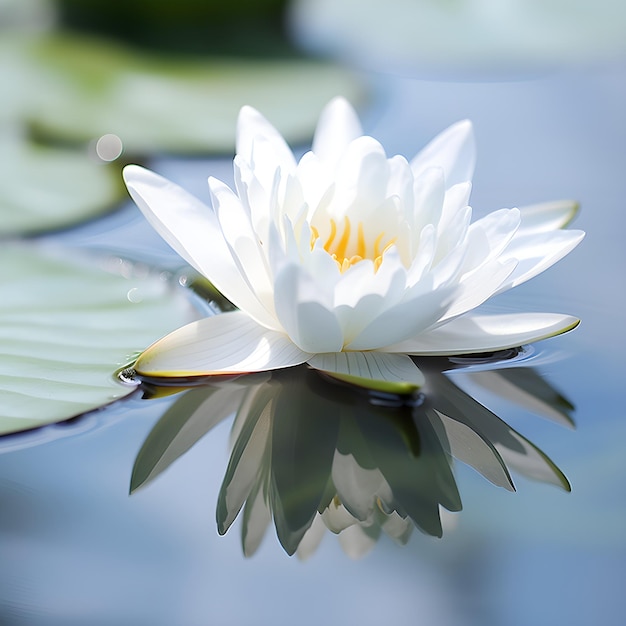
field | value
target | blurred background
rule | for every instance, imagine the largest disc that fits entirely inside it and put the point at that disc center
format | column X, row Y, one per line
column 90, row 86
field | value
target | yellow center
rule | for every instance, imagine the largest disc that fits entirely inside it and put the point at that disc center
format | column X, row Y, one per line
column 339, row 246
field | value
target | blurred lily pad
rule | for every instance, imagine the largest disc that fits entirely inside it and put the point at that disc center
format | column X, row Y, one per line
column 83, row 89
column 460, row 36
column 46, row 188
column 65, row 327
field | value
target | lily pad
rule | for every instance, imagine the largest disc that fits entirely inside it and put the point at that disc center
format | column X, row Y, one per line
column 66, row 327
column 459, row 36
column 45, row 188
column 86, row 88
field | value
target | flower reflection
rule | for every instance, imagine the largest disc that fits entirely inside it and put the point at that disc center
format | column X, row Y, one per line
column 310, row 455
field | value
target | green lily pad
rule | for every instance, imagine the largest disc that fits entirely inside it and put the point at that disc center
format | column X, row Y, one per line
column 66, row 327
column 83, row 89
column 44, row 188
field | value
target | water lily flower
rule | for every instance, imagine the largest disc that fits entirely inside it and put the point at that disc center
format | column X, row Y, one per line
column 348, row 260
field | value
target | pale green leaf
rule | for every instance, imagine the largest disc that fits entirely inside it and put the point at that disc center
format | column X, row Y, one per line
column 66, row 327
column 85, row 89
column 44, row 188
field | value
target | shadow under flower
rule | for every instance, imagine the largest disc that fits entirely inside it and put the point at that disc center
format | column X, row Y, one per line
column 310, row 454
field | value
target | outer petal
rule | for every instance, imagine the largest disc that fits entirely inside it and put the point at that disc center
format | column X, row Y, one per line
column 407, row 319
column 486, row 333
column 223, row 344
column 536, row 252
column 305, row 312
column 337, row 127
column 192, row 229
column 394, row 373
column 454, row 150
column 243, row 241
column 478, row 287
column 547, row 216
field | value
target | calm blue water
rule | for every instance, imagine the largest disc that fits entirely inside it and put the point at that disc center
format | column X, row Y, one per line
column 76, row 549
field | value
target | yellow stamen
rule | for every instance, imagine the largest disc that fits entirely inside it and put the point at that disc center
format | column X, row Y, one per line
column 360, row 244
column 377, row 242
column 340, row 249
column 331, row 237
column 314, row 236
column 342, row 246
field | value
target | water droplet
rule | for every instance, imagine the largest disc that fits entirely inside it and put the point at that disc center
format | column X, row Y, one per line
column 109, row 147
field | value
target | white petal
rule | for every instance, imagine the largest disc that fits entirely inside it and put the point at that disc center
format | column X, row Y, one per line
column 192, row 229
column 429, row 194
column 456, row 201
column 547, row 216
column 253, row 127
column 223, row 344
column 453, row 150
column 486, row 333
column 478, row 287
column 407, row 319
column 246, row 249
column 337, row 127
column 305, row 311
column 423, row 257
column 394, row 373
column 536, row 252
column 400, row 184
column 361, row 179
column 362, row 293
column 489, row 236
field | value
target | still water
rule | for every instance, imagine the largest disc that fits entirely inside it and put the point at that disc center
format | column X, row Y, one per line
column 76, row 548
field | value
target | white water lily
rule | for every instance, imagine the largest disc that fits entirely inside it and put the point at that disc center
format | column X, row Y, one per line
column 348, row 260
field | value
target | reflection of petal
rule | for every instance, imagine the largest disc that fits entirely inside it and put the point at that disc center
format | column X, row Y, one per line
column 468, row 446
column 312, row 538
column 187, row 421
column 355, row 542
column 310, row 456
column 337, row 518
column 257, row 517
column 524, row 387
column 420, row 480
column 400, row 528
column 358, row 487
column 455, row 404
column 243, row 470
column 531, row 462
